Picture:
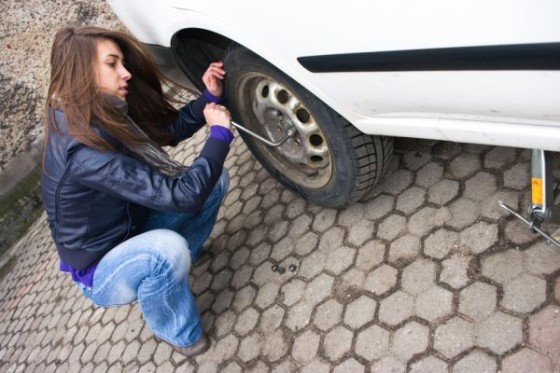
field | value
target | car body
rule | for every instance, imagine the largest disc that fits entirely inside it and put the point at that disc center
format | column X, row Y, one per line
column 485, row 72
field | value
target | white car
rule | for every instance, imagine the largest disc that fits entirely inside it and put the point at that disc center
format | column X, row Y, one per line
column 333, row 82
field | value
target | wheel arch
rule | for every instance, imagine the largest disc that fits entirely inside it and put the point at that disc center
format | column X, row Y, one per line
column 199, row 47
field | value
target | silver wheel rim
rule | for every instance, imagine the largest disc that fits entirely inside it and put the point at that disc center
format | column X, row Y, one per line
column 266, row 106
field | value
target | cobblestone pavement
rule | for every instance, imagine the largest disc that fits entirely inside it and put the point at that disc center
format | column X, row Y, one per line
column 426, row 275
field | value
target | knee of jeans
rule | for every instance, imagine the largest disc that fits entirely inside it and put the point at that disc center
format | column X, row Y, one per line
column 172, row 252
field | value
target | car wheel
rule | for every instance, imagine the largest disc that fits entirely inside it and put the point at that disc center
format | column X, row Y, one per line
column 327, row 160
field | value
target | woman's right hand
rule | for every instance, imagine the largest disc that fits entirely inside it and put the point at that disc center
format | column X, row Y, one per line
column 217, row 115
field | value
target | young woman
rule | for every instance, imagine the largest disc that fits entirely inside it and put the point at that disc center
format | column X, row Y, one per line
column 126, row 219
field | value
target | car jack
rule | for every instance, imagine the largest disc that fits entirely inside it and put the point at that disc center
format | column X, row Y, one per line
column 542, row 208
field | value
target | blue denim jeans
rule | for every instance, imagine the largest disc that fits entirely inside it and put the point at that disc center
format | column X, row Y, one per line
column 153, row 268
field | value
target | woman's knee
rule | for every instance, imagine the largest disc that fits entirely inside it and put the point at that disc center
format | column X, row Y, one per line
column 171, row 250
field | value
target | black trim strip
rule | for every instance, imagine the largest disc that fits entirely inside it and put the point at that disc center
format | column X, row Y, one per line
column 545, row 56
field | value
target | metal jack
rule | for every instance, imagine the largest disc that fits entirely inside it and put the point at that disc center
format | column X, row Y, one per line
column 543, row 195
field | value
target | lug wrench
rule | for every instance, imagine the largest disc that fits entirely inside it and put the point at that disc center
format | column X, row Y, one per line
column 285, row 125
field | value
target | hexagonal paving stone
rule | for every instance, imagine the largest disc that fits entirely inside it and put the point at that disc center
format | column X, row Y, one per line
column 361, row 232
column 500, row 332
column 324, row 220
column 454, row 271
column 370, row 255
column 299, row 315
column 413, row 160
column 360, row 312
column 443, row 192
column 331, row 239
column 446, row 150
column 373, row 343
column 378, row 207
column 464, row 212
column 351, row 215
column 429, row 364
column 479, row 237
column 349, row 366
column 428, row 175
column 389, row 364
column 293, row 291
column 503, row 266
column 392, row 227
column 524, row 293
column 267, row 294
column 454, row 337
column 276, row 345
column 518, row 233
column 434, row 304
column 544, row 330
column 409, row 340
column 225, row 348
column 328, row 314
column 418, row 276
column 307, row 243
column 478, row 301
column 246, row 321
column 464, row 165
column 396, row 182
column 527, row 361
column 440, row 243
column 319, row 289
column 381, row 280
column 409, row 200
column 542, row 258
column 313, row 264
column 271, row 319
column 480, row 186
column 316, row 366
column 306, row 346
column 282, row 249
column 490, row 207
column 396, row 308
column 404, row 249
column 426, row 219
column 476, row 362
column 340, row 259
column 337, row 342
column 250, row 347
column 518, row 176
column 499, row 157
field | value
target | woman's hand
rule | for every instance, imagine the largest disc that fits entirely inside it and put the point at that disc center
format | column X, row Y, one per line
column 217, row 115
column 213, row 77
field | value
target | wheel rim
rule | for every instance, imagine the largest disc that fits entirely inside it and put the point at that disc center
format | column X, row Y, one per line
column 269, row 108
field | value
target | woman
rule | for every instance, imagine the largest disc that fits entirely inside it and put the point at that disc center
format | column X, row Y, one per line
column 126, row 219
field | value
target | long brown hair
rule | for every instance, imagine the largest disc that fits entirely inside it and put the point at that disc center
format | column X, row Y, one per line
column 72, row 88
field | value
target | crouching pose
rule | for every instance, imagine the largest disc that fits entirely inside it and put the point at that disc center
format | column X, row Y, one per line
column 127, row 220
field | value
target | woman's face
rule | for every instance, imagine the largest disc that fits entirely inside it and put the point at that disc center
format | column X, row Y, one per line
column 111, row 75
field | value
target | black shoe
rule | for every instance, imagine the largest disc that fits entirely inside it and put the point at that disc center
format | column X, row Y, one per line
column 199, row 347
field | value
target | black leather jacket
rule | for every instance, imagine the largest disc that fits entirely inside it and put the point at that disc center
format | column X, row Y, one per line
column 95, row 200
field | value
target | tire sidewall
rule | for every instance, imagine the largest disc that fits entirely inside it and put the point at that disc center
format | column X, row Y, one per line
column 339, row 189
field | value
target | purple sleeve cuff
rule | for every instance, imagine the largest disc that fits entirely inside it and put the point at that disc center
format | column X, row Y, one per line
column 210, row 97
column 85, row 276
column 221, row 133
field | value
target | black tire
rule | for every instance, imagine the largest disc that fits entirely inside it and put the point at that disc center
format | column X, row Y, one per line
column 327, row 161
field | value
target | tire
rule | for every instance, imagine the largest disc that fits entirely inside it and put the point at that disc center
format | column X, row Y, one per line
column 327, row 161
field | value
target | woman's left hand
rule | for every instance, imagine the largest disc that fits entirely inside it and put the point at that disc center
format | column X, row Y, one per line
column 213, row 77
